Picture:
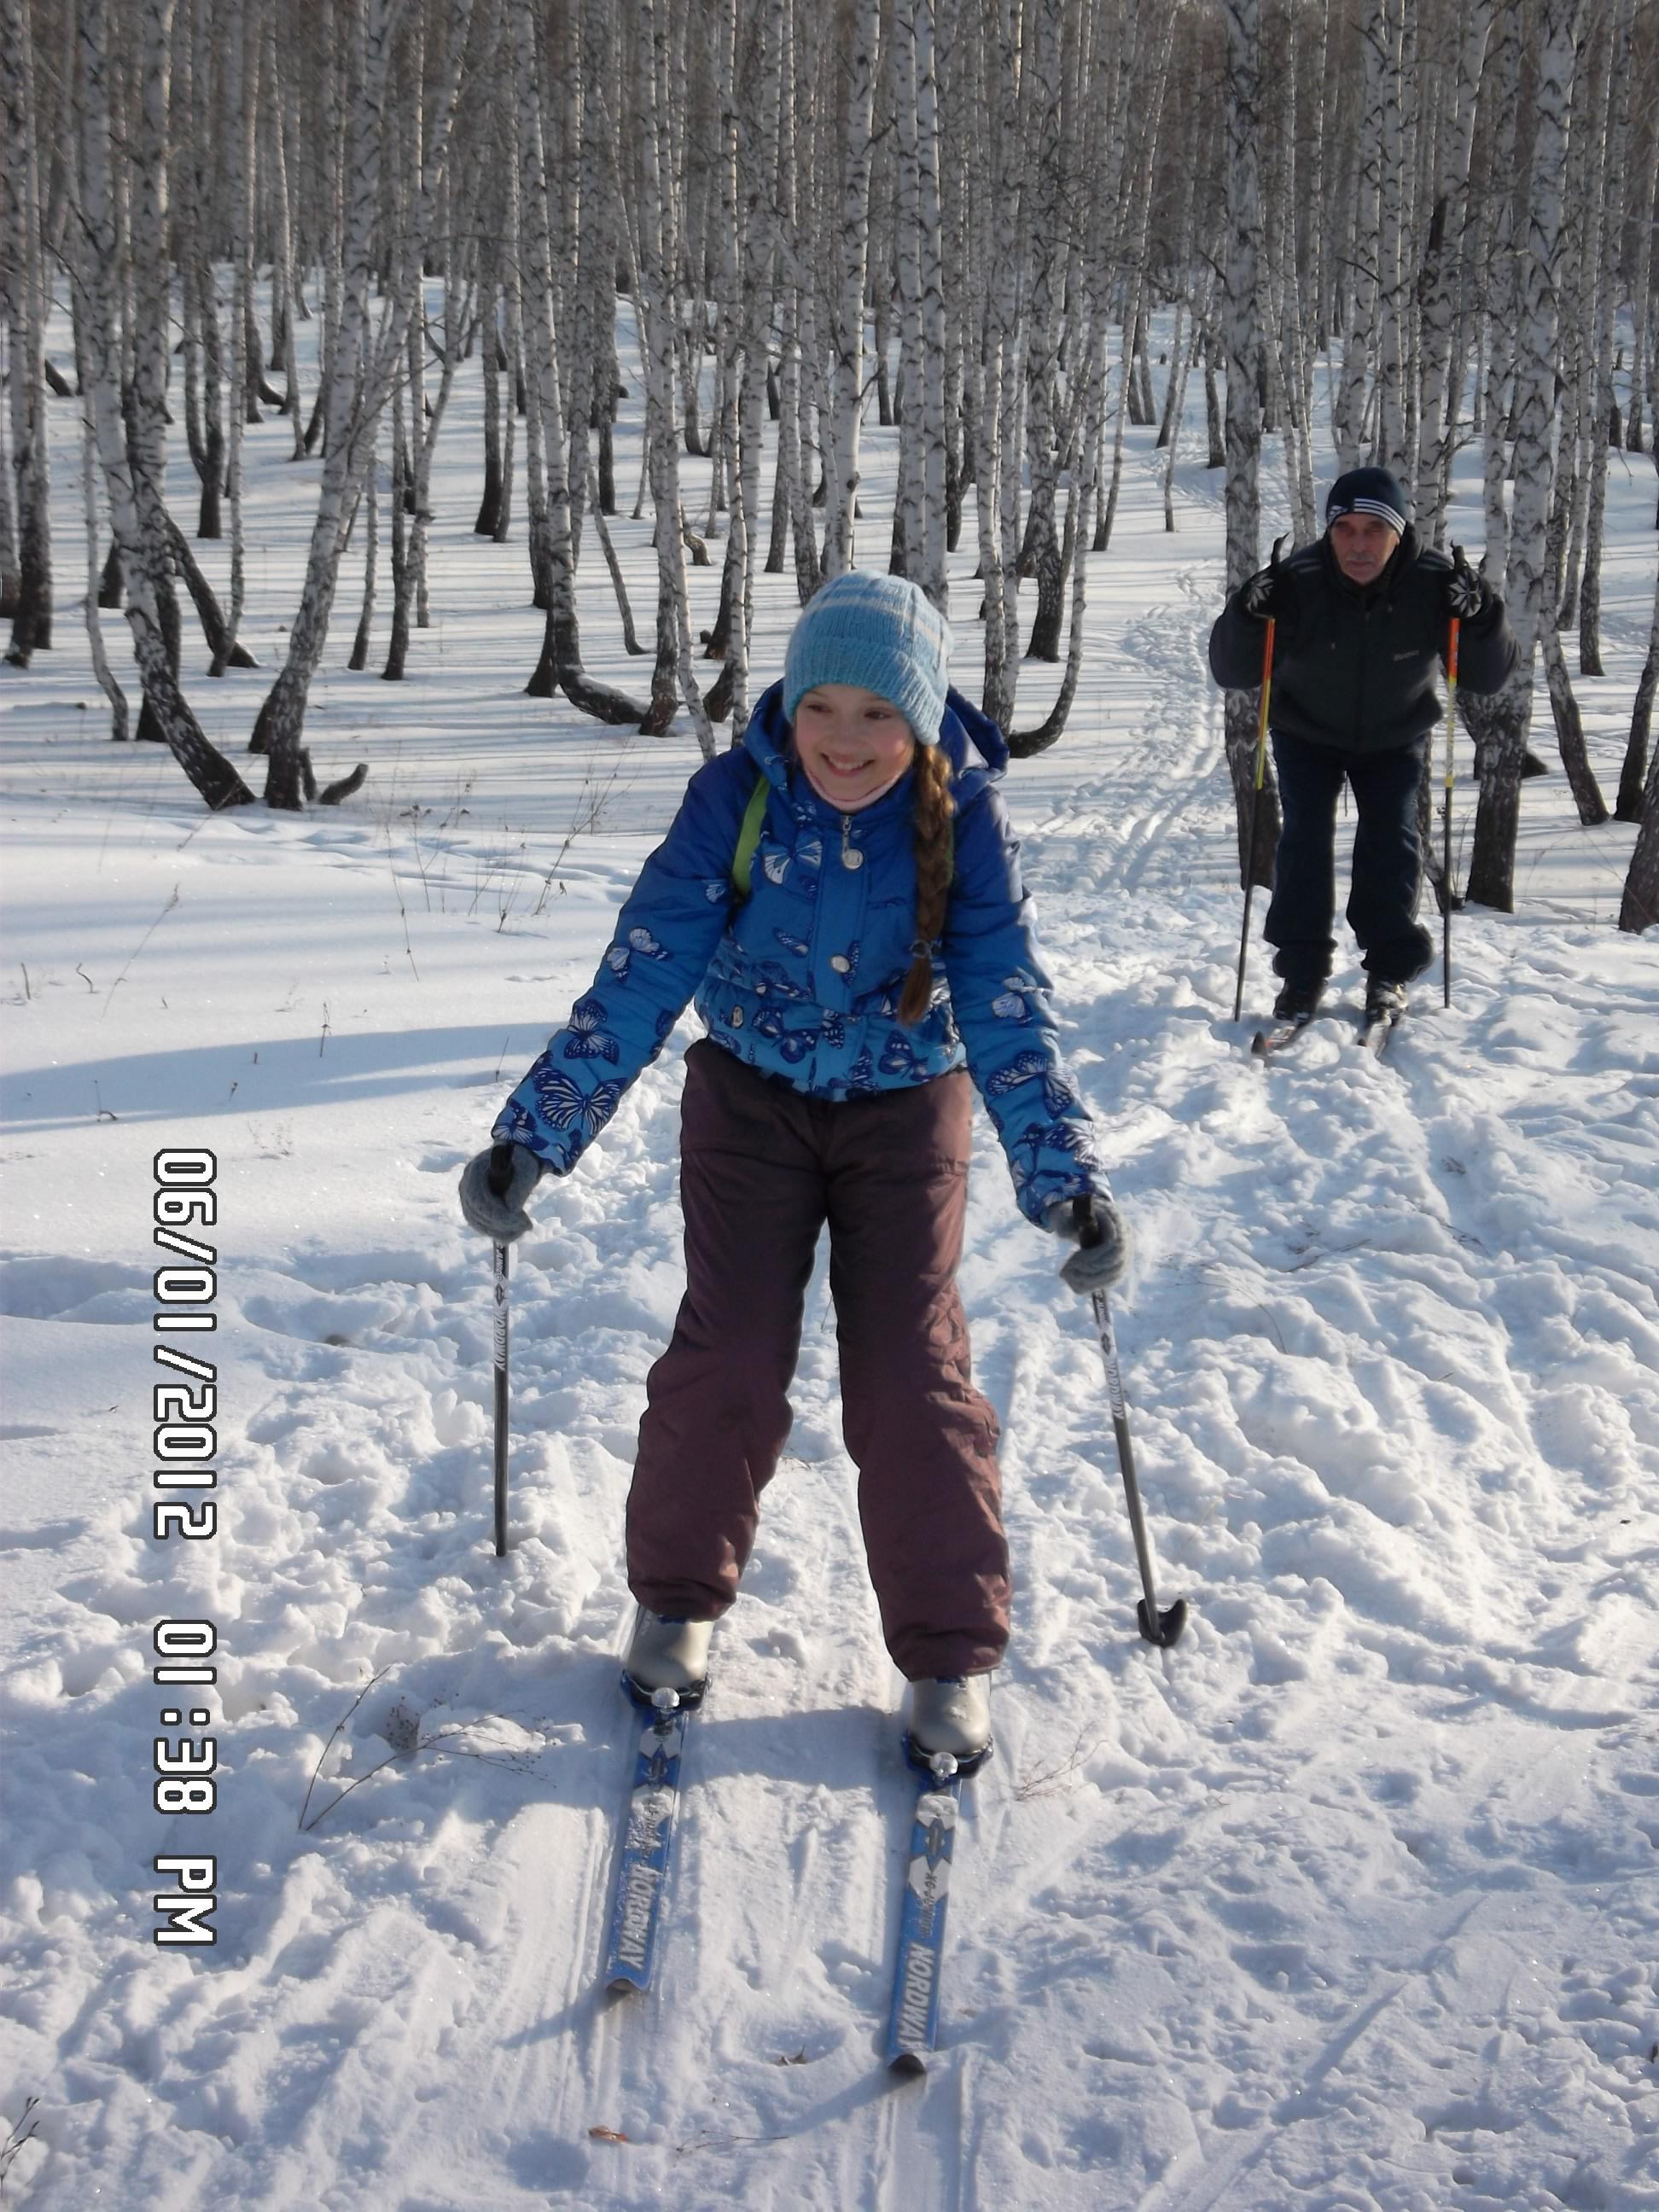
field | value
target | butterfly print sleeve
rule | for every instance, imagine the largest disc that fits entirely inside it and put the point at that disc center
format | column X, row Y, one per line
column 660, row 950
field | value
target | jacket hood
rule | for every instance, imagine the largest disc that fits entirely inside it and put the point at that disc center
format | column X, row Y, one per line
column 971, row 741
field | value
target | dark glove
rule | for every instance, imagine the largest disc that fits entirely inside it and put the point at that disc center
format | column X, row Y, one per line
column 493, row 1191
column 1098, row 1228
column 1463, row 594
column 1256, row 593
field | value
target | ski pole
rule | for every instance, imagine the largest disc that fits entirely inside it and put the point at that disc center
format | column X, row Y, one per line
column 500, row 1175
column 1160, row 1628
column 1446, row 846
column 1256, row 800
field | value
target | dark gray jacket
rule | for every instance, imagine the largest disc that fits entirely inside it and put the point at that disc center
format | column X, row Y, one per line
column 1356, row 669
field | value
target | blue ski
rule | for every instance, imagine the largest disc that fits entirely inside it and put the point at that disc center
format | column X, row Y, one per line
column 647, row 1845
column 912, row 2026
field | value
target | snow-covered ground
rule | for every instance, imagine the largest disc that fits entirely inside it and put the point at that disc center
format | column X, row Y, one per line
column 1350, row 1901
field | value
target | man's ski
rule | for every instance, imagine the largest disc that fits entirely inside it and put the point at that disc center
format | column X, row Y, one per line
column 1265, row 1042
column 647, row 1843
column 1374, row 1031
column 913, row 2025
column 1385, row 1003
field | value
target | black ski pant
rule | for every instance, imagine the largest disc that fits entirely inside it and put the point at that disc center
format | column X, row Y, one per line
column 1387, row 873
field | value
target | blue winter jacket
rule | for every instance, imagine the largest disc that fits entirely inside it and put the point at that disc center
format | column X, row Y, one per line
column 801, row 981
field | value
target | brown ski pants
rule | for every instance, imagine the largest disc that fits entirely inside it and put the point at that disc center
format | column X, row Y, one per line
column 763, row 1168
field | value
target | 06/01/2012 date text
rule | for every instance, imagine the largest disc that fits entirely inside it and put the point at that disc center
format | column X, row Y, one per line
column 184, row 1403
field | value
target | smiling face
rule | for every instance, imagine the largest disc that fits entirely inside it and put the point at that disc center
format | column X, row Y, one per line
column 854, row 744
column 1363, row 546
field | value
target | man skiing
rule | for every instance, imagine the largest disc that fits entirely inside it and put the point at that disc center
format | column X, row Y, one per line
column 1360, row 626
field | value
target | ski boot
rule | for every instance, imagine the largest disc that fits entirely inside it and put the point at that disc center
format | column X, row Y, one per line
column 667, row 1655
column 1298, row 1002
column 950, row 1717
column 1384, row 1004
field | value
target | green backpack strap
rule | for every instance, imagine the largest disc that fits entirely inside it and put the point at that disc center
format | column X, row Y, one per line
column 749, row 838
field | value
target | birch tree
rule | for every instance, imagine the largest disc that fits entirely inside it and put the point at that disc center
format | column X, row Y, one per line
column 1492, row 867
column 1502, row 290
column 108, row 682
column 1044, row 245
column 200, row 343
column 560, row 665
column 753, row 155
column 1603, row 412
column 658, row 253
column 238, row 134
column 995, row 212
column 843, row 418
column 792, row 523
column 1639, row 907
column 148, row 331
column 1243, row 419
column 354, row 402
column 1633, row 774
column 1385, row 26
column 1365, row 255
column 921, row 285
column 1641, row 296
column 9, row 581
column 95, row 266
column 1466, row 32
column 22, row 314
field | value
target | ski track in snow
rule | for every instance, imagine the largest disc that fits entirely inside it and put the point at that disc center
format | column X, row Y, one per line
column 1347, row 1902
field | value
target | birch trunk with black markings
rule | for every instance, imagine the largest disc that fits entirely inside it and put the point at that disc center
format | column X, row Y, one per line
column 22, row 309
column 1240, row 307
column 560, row 665
column 1498, row 814
column 95, row 273
column 355, row 404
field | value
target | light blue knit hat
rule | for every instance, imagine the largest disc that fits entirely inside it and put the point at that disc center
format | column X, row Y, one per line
column 882, row 633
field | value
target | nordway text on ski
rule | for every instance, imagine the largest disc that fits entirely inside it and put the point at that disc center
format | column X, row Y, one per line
column 647, row 1815
column 645, row 1851
column 914, row 2024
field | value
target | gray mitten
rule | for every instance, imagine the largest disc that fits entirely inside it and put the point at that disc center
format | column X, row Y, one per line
column 494, row 1190
column 1098, row 1228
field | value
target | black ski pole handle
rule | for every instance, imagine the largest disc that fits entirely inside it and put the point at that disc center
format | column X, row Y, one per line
column 501, row 1169
column 1162, row 1629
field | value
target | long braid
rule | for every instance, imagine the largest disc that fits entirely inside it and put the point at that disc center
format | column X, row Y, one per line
column 933, row 808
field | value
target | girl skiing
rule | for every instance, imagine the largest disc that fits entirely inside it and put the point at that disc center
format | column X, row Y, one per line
column 841, row 896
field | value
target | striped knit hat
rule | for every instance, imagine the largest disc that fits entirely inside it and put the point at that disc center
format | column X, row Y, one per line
column 1367, row 491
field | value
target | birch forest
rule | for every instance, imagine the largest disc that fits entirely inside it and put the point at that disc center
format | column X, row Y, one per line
column 1006, row 230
